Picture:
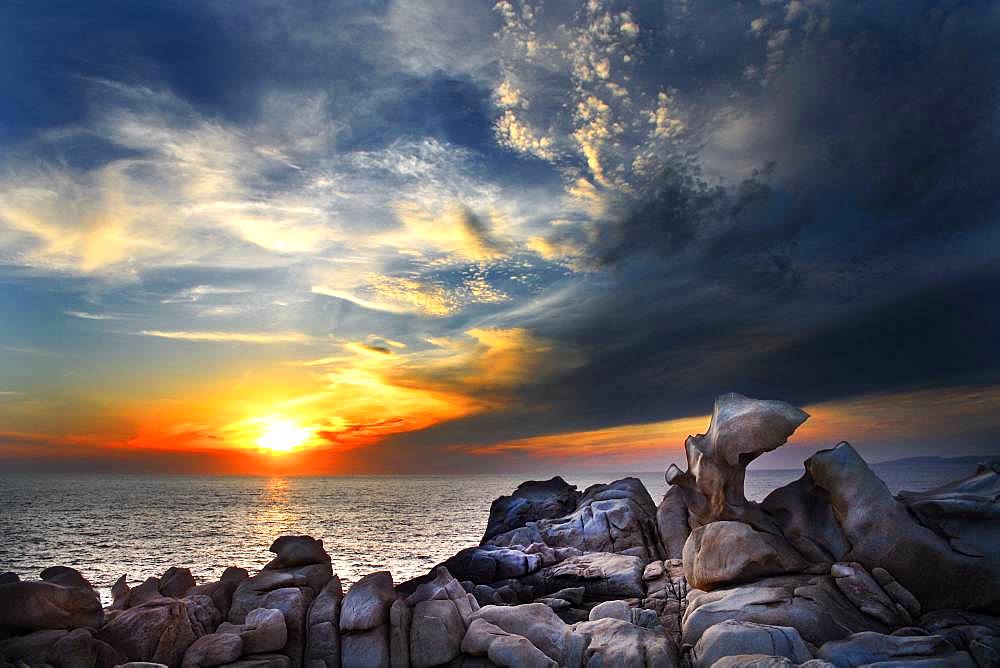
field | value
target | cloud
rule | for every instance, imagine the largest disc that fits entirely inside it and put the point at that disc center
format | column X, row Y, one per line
column 234, row 337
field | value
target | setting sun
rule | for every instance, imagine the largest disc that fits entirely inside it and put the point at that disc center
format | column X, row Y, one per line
column 282, row 436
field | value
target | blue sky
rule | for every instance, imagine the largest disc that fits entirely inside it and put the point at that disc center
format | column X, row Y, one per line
column 463, row 236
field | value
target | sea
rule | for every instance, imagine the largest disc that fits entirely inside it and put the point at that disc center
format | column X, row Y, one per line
column 109, row 525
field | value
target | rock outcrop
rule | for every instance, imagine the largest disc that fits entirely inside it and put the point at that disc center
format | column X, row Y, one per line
column 828, row 571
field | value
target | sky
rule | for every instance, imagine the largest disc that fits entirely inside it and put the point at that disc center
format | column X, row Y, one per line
column 273, row 237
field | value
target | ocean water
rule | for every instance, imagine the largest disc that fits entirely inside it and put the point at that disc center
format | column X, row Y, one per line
column 107, row 525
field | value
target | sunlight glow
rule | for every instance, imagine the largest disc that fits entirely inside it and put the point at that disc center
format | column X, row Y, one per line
column 282, row 435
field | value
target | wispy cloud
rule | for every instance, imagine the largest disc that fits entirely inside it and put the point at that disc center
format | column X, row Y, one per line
column 232, row 337
column 85, row 315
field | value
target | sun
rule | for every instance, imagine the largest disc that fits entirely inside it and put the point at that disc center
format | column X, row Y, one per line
column 282, row 435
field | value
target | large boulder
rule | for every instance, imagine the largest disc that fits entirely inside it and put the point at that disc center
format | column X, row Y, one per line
column 39, row 605
column 364, row 621
column 725, row 552
column 603, row 576
column 741, row 429
column 296, row 551
column 618, row 517
column 731, row 637
column 262, row 631
column 60, row 648
column 532, row 501
column 884, row 532
column 65, row 576
column 436, row 633
column 484, row 565
column 813, row 605
column 160, row 630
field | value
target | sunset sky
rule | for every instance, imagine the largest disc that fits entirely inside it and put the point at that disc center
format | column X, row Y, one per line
column 431, row 236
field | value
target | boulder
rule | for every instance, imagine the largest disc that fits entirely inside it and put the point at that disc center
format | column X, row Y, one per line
column 672, row 523
column 9, row 577
column 864, row 592
column 364, row 621
column 323, row 627
column 132, row 596
column 264, row 631
column 601, row 575
column 160, row 630
column 741, row 429
column 502, row 648
column 619, row 517
column 436, row 633
column 813, row 605
column 214, row 649
column 65, row 649
column 884, row 532
column 611, row 610
column 176, row 582
column 445, row 587
column 296, row 551
column 732, row 637
column 863, row 649
column 36, row 606
column 65, row 576
column 532, row 501
column 726, row 552
column 613, row 642
column 534, row 621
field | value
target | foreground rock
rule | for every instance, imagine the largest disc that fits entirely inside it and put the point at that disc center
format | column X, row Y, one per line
column 65, row 601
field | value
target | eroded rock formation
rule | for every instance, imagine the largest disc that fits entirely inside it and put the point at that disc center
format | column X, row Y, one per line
column 830, row 570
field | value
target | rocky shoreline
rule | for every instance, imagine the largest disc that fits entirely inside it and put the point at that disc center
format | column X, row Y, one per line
column 829, row 570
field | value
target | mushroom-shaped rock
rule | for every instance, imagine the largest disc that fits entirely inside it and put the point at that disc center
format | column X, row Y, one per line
column 295, row 551
column 741, row 430
column 732, row 638
column 33, row 606
column 725, row 552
